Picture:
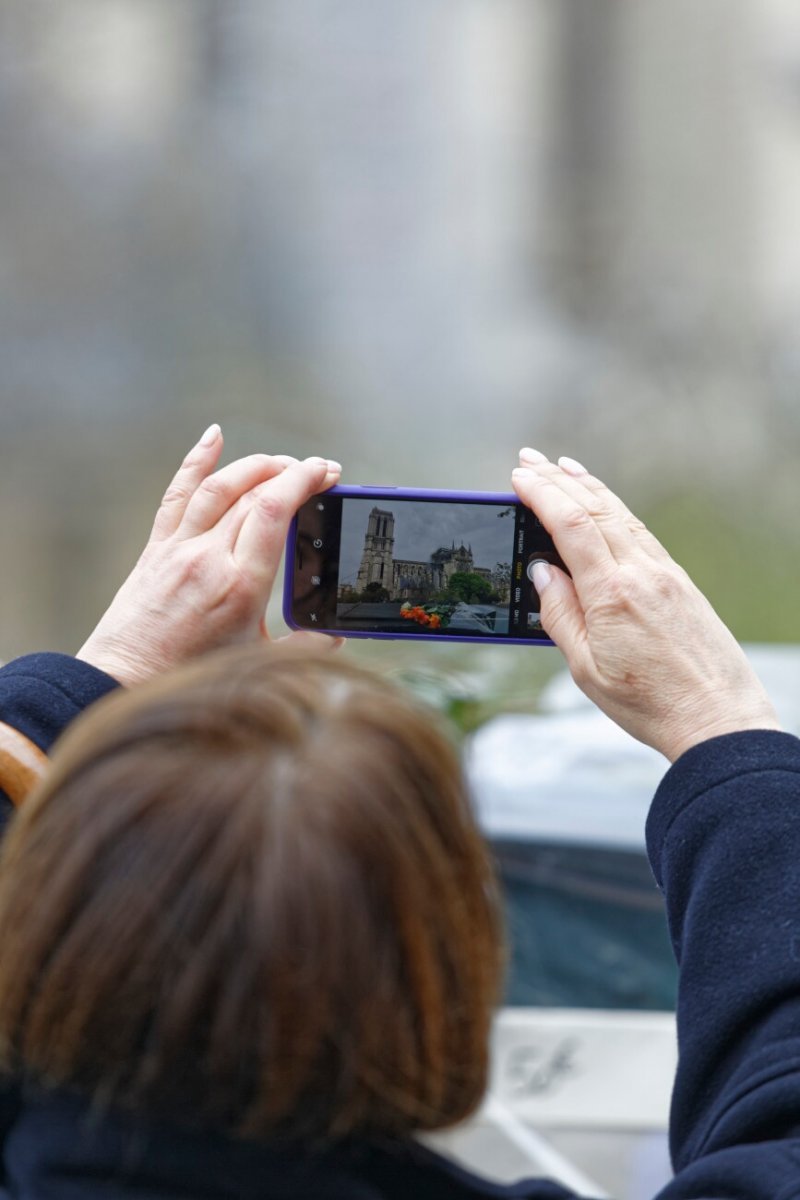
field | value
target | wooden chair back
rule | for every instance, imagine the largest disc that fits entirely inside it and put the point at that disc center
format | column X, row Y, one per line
column 22, row 764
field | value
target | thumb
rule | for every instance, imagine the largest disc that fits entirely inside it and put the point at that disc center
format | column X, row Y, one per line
column 310, row 640
column 560, row 610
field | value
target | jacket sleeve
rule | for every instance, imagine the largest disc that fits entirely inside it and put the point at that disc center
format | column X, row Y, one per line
column 40, row 694
column 724, row 842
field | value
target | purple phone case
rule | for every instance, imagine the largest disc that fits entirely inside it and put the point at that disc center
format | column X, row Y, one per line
column 399, row 493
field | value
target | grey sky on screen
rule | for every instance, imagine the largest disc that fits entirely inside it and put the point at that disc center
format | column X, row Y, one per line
column 422, row 526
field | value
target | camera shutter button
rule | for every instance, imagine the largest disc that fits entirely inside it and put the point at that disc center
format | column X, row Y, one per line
column 532, row 564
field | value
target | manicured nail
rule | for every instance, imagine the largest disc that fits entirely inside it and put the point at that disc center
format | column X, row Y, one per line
column 210, row 435
column 527, row 454
column 334, row 467
column 571, row 466
column 542, row 575
column 523, row 473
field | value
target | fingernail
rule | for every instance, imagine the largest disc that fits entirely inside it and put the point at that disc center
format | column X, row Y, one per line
column 542, row 575
column 210, row 435
column 527, row 454
column 522, row 473
column 334, row 467
column 571, row 466
column 316, row 461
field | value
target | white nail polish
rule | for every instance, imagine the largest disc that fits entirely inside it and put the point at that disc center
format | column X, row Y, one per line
column 542, row 575
column 571, row 466
column 210, row 435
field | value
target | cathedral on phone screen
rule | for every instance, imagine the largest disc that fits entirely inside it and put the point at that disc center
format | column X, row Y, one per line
column 401, row 565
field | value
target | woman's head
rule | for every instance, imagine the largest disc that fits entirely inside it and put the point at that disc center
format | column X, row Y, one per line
column 252, row 894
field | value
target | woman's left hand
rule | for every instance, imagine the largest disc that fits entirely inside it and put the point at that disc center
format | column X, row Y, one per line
column 207, row 571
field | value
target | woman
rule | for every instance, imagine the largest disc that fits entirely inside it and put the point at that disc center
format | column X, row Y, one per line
column 248, row 932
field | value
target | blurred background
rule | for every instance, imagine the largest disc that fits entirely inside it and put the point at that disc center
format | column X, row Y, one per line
column 410, row 236
column 414, row 236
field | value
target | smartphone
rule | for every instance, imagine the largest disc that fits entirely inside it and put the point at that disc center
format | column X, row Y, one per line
column 390, row 562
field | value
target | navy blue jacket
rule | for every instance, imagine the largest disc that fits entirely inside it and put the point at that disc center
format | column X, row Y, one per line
column 723, row 838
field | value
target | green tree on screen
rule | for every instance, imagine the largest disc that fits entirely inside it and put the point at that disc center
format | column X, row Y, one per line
column 469, row 588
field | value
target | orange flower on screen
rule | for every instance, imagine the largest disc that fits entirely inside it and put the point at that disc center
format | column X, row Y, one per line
column 434, row 621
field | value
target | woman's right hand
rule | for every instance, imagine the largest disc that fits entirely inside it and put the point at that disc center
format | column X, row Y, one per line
column 639, row 638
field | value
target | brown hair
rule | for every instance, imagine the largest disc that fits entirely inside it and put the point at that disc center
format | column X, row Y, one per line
column 251, row 894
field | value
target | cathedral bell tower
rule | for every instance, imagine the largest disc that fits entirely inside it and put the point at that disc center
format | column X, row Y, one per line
column 377, row 559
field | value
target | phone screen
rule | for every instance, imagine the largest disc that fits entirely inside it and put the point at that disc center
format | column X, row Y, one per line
column 393, row 563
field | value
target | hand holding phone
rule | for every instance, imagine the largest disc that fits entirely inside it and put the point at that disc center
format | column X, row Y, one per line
column 639, row 637
column 411, row 563
column 204, row 578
